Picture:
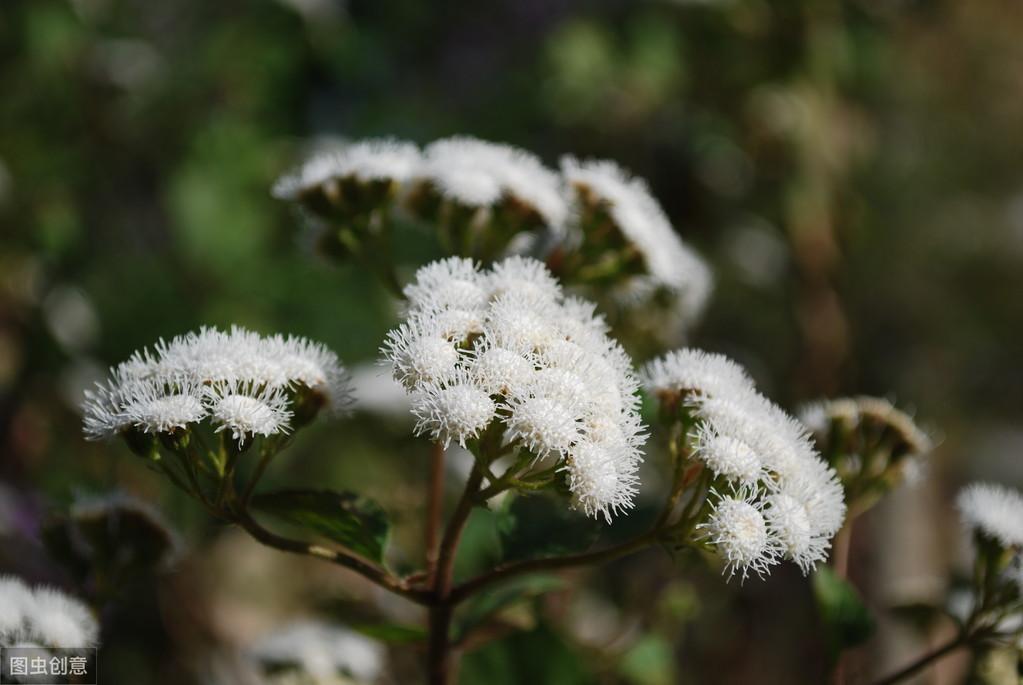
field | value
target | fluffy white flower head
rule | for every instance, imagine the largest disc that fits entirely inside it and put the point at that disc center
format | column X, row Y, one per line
column 43, row 616
column 477, row 173
column 185, row 381
column 367, row 160
column 323, row 651
column 458, row 410
column 738, row 530
column 756, row 449
column 993, row 510
column 538, row 363
column 639, row 218
column 691, row 370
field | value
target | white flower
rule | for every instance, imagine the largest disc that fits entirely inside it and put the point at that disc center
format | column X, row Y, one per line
column 322, row 651
column 789, row 523
column 418, row 353
column 871, row 414
column 670, row 263
column 455, row 410
column 539, row 363
column 18, row 604
column 751, row 443
column 62, row 621
column 248, row 410
column 694, row 371
column 545, row 425
column 158, row 406
column 993, row 510
column 524, row 277
column 477, row 173
column 454, row 282
column 169, row 389
column 496, row 369
column 738, row 530
column 602, row 477
column 44, row 616
column 367, row 160
column 727, row 456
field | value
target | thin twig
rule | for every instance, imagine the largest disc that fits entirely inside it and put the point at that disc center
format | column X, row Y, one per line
column 925, row 660
column 505, row 571
column 349, row 560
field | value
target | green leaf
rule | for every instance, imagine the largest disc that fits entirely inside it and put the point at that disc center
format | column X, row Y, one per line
column 355, row 522
column 542, row 526
column 490, row 602
column 846, row 620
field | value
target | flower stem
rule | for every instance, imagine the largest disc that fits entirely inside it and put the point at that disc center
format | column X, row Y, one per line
column 505, row 571
column 439, row 657
column 434, row 507
column 349, row 560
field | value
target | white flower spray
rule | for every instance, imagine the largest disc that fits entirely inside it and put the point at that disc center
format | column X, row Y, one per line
column 505, row 347
column 242, row 383
column 772, row 497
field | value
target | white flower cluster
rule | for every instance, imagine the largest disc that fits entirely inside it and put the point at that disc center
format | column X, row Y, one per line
column 506, row 345
column 242, row 382
column 365, row 161
column 481, row 175
column 43, row 617
column 776, row 498
column 322, row 651
column 477, row 173
column 994, row 511
column 852, row 411
column 641, row 221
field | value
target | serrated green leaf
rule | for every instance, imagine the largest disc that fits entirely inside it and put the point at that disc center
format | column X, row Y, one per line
column 846, row 619
column 489, row 602
column 356, row 522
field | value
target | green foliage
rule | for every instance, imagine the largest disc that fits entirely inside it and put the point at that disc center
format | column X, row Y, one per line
column 539, row 656
column 533, row 527
column 650, row 661
column 846, row 620
column 488, row 603
column 355, row 522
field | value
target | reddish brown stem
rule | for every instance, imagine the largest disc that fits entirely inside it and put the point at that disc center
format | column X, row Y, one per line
column 434, row 510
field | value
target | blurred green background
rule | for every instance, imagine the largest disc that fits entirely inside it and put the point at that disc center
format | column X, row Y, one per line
column 852, row 169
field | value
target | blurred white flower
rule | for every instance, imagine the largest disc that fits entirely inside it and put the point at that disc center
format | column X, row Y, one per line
column 478, row 173
column 540, row 364
column 638, row 217
column 43, row 616
column 322, row 650
column 366, row 160
column 993, row 510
